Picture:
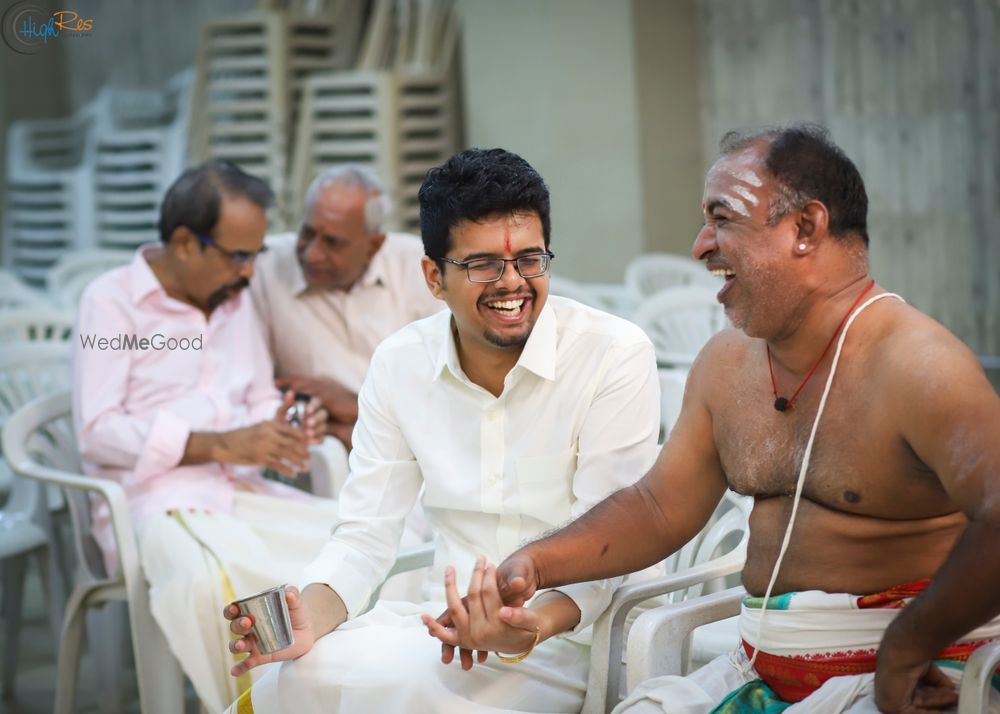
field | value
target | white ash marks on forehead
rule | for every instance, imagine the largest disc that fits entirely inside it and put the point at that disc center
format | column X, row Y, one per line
column 746, row 194
column 747, row 176
column 734, row 204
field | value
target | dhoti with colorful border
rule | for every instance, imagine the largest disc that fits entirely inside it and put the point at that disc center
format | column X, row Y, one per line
column 818, row 653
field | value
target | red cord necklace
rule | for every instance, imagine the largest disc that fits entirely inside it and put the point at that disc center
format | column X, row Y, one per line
column 783, row 404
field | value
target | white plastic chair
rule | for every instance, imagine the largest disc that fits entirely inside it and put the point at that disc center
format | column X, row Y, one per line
column 672, row 382
column 140, row 144
column 25, row 533
column 28, row 370
column 973, row 697
column 49, row 203
column 680, row 321
column 16, row 295
column 39, row 444
column 649, row 273
column 35, row 325
column 74, row 271
column 329, row 467
column 26, row 528
column 719, row 550
column 659, row 642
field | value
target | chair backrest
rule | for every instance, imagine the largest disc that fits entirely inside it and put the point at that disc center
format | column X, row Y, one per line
column 46, row 437
column 727, row 532
column 74, row 271
column 35, row 325
column 672, row 382
column 649, row 273
column 680, row 321
column 14, row 294
column 30, row 370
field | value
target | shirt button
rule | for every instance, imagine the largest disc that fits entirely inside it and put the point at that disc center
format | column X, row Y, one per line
column 493, row 416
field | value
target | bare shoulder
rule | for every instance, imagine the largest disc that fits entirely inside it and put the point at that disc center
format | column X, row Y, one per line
column 913, row 352
column 722, row 357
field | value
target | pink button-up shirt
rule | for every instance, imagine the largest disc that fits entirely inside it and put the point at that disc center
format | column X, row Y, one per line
column 134, row 407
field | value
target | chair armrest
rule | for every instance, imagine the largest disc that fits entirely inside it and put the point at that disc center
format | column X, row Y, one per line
column 14, row 438
column 329, row 467
column 656, row 642
column 421, row 556
column 609, row 629
column 976, row 681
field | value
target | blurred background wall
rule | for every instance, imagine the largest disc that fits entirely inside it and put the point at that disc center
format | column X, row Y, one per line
column 621, row 104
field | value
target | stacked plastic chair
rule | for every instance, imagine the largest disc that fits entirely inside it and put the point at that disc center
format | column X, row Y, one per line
column 139, row 150
column 49, row 204
column 248, row 77
column 396, row 113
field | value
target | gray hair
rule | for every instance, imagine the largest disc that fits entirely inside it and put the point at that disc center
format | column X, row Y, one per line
column 377, row 205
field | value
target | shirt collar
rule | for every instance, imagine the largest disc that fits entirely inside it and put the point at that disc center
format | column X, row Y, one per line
column 538, row 355
column 142, row 278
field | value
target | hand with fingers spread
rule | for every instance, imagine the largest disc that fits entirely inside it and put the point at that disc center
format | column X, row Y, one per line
column 481, row 621
column 302, row 631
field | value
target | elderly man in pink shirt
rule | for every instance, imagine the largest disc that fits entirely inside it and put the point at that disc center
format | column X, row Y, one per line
column 173, row 398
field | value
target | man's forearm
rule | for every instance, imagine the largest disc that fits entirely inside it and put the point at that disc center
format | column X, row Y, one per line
column 327, row 610
column 624, row 533
column 962, row 596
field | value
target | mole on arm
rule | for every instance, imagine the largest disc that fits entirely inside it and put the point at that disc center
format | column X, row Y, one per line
column 851, row 497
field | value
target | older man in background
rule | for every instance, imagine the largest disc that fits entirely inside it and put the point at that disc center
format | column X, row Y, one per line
column 328, row 295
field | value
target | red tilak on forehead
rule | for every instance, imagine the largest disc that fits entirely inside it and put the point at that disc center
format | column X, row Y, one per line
column 506, row 239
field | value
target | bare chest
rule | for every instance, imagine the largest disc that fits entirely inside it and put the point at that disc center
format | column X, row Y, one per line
column 858, row 462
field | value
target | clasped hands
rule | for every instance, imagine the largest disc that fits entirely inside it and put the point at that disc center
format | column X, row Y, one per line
column 481, row 621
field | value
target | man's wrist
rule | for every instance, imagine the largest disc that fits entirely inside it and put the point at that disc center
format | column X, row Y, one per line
column 202, row 447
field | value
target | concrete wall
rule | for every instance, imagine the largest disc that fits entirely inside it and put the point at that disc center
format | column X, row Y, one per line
column 668, row 70
column 555, row 81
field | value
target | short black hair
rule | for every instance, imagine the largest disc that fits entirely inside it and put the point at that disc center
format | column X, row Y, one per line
column 193, row 200
column 476, row 184
column 807, row 166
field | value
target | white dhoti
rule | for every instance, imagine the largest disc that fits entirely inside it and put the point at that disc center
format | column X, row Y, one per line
column 196, row 562
column 385, row 661
column 807, row 639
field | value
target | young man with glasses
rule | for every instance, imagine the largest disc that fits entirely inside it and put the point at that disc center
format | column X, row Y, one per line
column 507, row 415
column 329, row 293
column 186, row 431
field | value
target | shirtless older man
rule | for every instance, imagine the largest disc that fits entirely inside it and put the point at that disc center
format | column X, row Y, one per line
column 900, row 485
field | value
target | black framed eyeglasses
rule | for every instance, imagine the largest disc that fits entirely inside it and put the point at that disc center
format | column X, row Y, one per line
column 239, row 258
column 490, row 270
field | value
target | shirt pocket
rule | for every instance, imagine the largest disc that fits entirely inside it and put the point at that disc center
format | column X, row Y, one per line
column 545, row 485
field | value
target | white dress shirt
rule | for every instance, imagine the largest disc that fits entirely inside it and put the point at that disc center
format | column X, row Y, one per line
column 578, row 419
column 332, row 334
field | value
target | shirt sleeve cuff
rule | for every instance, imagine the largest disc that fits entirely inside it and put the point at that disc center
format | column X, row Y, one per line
column 164, row 447
column 337, row 569
column 593, row 599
